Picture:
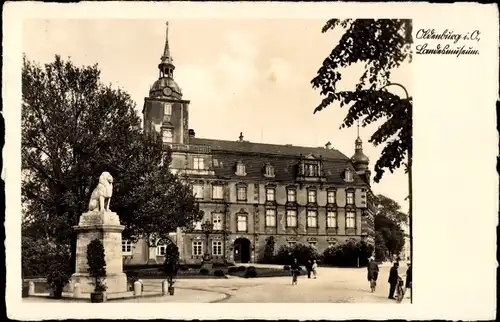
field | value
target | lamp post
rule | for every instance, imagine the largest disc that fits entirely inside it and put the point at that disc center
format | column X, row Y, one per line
column 410, row 195
column 207, row 227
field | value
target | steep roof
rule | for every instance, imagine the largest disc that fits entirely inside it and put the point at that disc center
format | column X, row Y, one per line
column 284, row 159
column 264, row 148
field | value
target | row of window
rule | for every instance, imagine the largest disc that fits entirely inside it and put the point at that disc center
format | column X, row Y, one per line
column 242, row 193
column 161, row 249
column 291, row 220
column 308, row 170
column 241, row 170
column 197, row 247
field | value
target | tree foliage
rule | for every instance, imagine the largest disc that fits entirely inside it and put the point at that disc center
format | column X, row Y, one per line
column 301, row 252
column 348, row 254
column 389, row 234
column 381, row 45
column 73, row 128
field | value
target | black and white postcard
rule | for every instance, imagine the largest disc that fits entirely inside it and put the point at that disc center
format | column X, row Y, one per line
column 250, row 160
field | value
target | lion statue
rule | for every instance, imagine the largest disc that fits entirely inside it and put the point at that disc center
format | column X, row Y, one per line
column 101, row 196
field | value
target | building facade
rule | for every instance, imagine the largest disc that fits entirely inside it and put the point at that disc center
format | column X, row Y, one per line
column 251, row 191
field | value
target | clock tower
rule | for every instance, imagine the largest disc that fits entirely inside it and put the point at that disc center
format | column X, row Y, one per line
column 165, row 112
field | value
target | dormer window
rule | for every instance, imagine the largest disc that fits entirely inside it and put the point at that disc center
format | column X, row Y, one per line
column 349, row 175
column 269, row 171
column 240, row 169
column 312, row 169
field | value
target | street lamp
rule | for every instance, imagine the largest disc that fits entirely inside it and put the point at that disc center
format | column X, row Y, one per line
column 207, row 227
column 410, row 196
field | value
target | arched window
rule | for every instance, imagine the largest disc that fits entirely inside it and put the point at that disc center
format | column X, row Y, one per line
column 161, row 247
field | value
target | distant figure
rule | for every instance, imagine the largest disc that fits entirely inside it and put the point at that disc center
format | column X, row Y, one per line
column 309, row 268
column 315, row 268
column 393, row 280
column 372, row 273
column 408, row 277
column 295, row 271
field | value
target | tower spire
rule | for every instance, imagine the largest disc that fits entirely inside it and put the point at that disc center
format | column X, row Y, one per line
column 166, row 58
column 359, row 159
column 166, row 65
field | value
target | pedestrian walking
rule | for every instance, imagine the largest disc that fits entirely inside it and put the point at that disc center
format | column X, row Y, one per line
column 295, row 268
column 372, row 273
column 309, row 268
column 315, row 268
column 393, row 280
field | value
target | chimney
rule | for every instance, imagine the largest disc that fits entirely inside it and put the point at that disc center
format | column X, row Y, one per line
column 328, row 145
column 191, row 133
column 241, row 137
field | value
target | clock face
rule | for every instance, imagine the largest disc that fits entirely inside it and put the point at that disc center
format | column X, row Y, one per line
column 167, row 91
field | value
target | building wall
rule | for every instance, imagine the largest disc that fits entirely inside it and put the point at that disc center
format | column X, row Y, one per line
column 257, row 232
column 254, row 208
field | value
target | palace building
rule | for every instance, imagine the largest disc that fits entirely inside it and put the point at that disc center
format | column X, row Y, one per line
column 250, row 191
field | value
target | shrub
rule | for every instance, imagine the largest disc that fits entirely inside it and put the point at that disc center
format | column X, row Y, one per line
column 171, row 263
column 347, row 254
column 219, row 272
column 97, row 264
column 204, row 271
column 301, row 252
column 364, row 251
column 222, row 264
column 269, row 250
column 232, row 269
column 250, row 272
column 140, row 266
column 286, row 268
column 132, row 276
column 58, row 276
column 183, row 268
column 241, row 268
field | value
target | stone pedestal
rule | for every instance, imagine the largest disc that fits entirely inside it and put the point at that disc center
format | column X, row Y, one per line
column 207, row 262
column 106, row 227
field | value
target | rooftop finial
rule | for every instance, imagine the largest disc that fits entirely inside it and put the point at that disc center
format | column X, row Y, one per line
column 241, row 137
column 358, row 128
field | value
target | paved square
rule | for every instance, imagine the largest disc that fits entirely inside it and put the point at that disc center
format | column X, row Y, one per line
column 333, row 285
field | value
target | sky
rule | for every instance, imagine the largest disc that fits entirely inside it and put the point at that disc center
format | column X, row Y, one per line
column 250, row 76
